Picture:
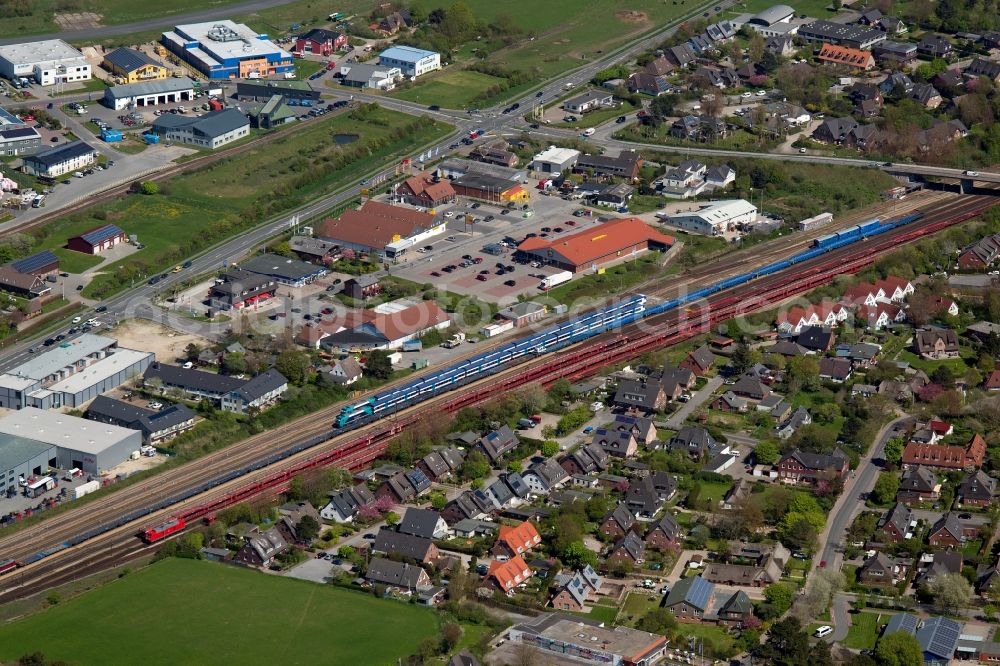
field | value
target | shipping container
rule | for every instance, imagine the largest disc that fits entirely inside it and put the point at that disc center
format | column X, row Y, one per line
column 86, row 489
column 111, row 136
column 491, row 330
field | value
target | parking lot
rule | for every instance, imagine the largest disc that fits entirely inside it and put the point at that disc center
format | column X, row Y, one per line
column 550, row 217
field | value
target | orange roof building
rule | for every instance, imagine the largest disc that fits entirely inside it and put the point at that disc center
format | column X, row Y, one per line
column 423, row 190
column 507, row 575
column 516, row 539
column 594, row 247
column 842, row 55
column 948, row 457
column 375, row 225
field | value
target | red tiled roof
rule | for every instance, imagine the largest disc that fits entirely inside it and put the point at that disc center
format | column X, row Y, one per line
column 508, row 575
column 423, row 182
column 993, row 381
column 419, row 317
column 519, row 538
column 843, row 55
column 376, row 224
column 939, row 455
column 591, row 244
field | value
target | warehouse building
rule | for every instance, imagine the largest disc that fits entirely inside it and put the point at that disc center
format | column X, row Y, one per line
column 456, row 167
column 212, row 130
column 380, row 229
column 76, row 371
column 97, row 240
column 79, row 443
column 410, row 61
column 46, row 62
column 590, row 249
column 133, row 66
column 149, row 93
column 555, row 160
column 261, row 91
column 390, row 325
column 715, row 218
column 60, row 160
column 227, row 50
column 22, row 458
column 292, row 272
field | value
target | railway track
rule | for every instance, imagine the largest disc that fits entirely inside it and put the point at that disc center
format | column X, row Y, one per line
column 357, row 449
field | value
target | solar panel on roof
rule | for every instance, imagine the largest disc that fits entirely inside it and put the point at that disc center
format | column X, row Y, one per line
column 699, row 593
column 101, row 234
column 35, row 262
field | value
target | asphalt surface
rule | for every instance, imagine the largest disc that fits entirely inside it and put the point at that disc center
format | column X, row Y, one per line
column 224, row 11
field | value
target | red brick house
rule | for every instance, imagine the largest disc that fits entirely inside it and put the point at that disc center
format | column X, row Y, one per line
column 424, row 190
column 618, row 523
column 699, row 361
column 951, row 532
column 813, row 468
column 664, row 534
column 320, row 42
column 970, row 456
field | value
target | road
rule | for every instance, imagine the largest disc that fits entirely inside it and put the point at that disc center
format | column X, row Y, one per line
column 90, row 34
column 676, row 421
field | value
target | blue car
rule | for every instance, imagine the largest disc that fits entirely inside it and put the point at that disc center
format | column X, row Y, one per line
column 588, row 430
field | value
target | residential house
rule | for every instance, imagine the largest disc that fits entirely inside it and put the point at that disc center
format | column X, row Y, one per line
column 977, row 489
column 545, row 476
column 951, row 532
column 856, row 59
column 440, row 465
column 589, row 101
column 835, row 369
column 573, row 591
column 751, row 564
column 643, row 393
column 397, row 487
column 649, row 84
column 942, row 563
column 362, row 287
column 642, row 499
column 698, row 128
column 425, row 523
column 898, row 523
column 408, row 577
column 935, row 46
column 738, row 495
column 641, row 428
column 470, row 504
column 730, row 402
column 780, row 45
column 699, row 361
column 800, row 417
column 697, row 442
column 880, row 571
column 981, row 254
column 970, row 456
column 408, row 546
column 819, row 339
column 507, row 575
column 664, row 534
column 982, row 67
column 515, row 540
column 617, row 443
column 345, row 371
column 629, row 548
column 260, row 549
column 618, row 522
column 942, row 132
column 896, row 83
column 345, row 504
column 750, row 387
column 717, row 77
column 926, row 96
column 918, row 484
column 586, row 460
column 814, row 468
column 834, row 130
column 936, row 343
column 497, row 444
column 394, row 22
column 689, row 600
column 471, row 529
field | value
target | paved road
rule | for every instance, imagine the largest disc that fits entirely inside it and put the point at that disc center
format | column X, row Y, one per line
column 841, row 617
column 90, row 34
column 676, row 422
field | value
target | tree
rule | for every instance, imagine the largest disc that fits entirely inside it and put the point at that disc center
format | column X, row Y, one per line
column 787, row 644
column 885, row 488
column 780, row 596
column 307, row 529
column 148, row 187
column 294, row 365
column 192, row 351
column 378, row 365
column 742, row 359
column 899, row 649
column 767, row 453
column 475, row 466
column 391, row 518
column 950, row 592
column 451, row 634
column 234, row 364
column 576, row 556
column 804, row 370
column 658, row 621
column 549, row 448
column 893, row 452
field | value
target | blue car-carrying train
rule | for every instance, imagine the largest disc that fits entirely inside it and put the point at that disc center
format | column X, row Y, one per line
column 611, row 317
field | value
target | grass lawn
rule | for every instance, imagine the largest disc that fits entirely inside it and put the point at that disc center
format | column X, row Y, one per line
column 306, row 68
column 224, row 615
column 957, row 365
column 863, row 632
column 972, row 546
column 197, row 209
column 74, row 262
column 712, row 634
column 94, row 85
column 451, row 88
column 814, row 8
column 604, row 614
column 645, row 203
column 636, row 605
column 713, row 491
column 595, row 118
column 738, row 139
column 614, row 280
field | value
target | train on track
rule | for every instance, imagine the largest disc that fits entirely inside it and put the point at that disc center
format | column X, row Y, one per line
column 352, row 417
column 593, row 323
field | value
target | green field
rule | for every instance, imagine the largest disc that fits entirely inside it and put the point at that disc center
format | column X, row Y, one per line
column 190, row 612
column 450, row 88
column 210, row 204
column 814, row 8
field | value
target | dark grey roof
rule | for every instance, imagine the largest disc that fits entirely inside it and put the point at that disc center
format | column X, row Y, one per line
column 199, row 380
column 668, row 524
column 819, row 461
column 516, row 483
column 938, row 637
column 34, row 262
column 453, row 457
column 210, row 125
column 631, row 544
column 918, row 479
column 899, row 517
column 419, row 522
column 381, row 570
column 738, row 603
column 261, row 385
column 641, row 496
column 977, row 485
column 694, row 590
column 280, row 267
column 902, row 622
column 129, row 60
column 397, row 543
column 501, row 492
column 693, row 439
column 59, row 154
column 621, row 516
column 120, row 411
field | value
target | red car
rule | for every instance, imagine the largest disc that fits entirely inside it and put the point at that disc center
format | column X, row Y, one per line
column 477, row 260
column 435, row 274
column 482, row 278
column 570, row 223
column 822, row 565
column 326, row 311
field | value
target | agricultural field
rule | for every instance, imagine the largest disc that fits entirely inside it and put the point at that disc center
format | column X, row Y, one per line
column 191, row 612
column 211, row 204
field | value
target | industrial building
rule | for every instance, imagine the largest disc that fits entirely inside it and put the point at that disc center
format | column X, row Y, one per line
column 68, row 441
column 775, row 21
column 274, row 113
column 60, row 160
column 410, row 61
column 589, row 641
column 16, row 136
column 284, row 270
column 46, row 62
column 149, row 93
column 227, row 50
column 211, row 130
column 69, row 375
column 365, row 75
column 381, row 229
column 555, row 160
column 456, row 167
column 715, row 218
column 97, row 240
column 133, row 66
column 593, row 248
column 261, row 91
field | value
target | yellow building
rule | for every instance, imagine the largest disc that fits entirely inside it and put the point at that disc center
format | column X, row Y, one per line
column 516, row 194
column 134, row 66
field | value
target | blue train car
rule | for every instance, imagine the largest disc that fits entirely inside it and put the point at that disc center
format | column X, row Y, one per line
column 823, row 241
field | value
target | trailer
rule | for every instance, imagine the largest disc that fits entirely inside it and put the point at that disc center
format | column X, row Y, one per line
column 556, row 278
column 492, row 330
column 86, row 489
column 413, row 346
column 40, row 486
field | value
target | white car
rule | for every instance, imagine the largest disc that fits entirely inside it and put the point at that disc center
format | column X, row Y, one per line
column 77, row 320
column 449, row 214
column 761, row 93
column 746, row 95
column 971, row 173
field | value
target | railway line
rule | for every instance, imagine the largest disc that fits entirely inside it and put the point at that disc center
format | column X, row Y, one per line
column 358, row 448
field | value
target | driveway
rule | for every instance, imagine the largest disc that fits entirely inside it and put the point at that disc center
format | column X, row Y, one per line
column 676, row 422
column 841, row 618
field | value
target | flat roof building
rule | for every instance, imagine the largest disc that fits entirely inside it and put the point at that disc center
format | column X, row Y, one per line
column 841, row 34
column 60, row 160
column 211, row 130
column 411, row 62
column 715, row 218
column 105, row 375
column 149, row 93
column 21, row 459
column 589, row 641
column 227, row 50
column 47, row 62
column 376, row 225
column 456, row 167
column 260, row 91
column 79, row 443
column 288, row 271
column 369, row 75
column 592, row 248
column 16, row 136
column 555, row 160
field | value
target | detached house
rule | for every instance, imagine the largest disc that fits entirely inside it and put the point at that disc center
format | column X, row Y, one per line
column 617, row 443
column 587, row 460
column 641, row 428
column 898, row 523
column 629, row 548
column 918, row 484
column 407, row 577
column 260, row 549
column 497, row 444
column 697, row 442
column 950, row 532
column 695, row 599
column 936, row 343
column 508, row 574
column 515, row 540
column 345, row 504
column 665, row 534
column 573, row 591
column 881, row 571
column 802, row 467
column 699, row 361
column 977, row 489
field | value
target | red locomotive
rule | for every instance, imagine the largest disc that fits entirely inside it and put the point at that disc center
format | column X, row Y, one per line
column 164, row 530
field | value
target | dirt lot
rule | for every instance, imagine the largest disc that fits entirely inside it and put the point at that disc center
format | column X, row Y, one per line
column 166, row 343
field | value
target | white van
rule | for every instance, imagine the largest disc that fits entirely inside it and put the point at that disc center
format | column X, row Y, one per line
column 825, row 630
column 589, row 131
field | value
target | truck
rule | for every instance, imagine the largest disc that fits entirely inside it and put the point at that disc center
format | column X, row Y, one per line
column 556, row 278
column 215, row 105
column 86, row 489
column 413, row 346
column 454, row 341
